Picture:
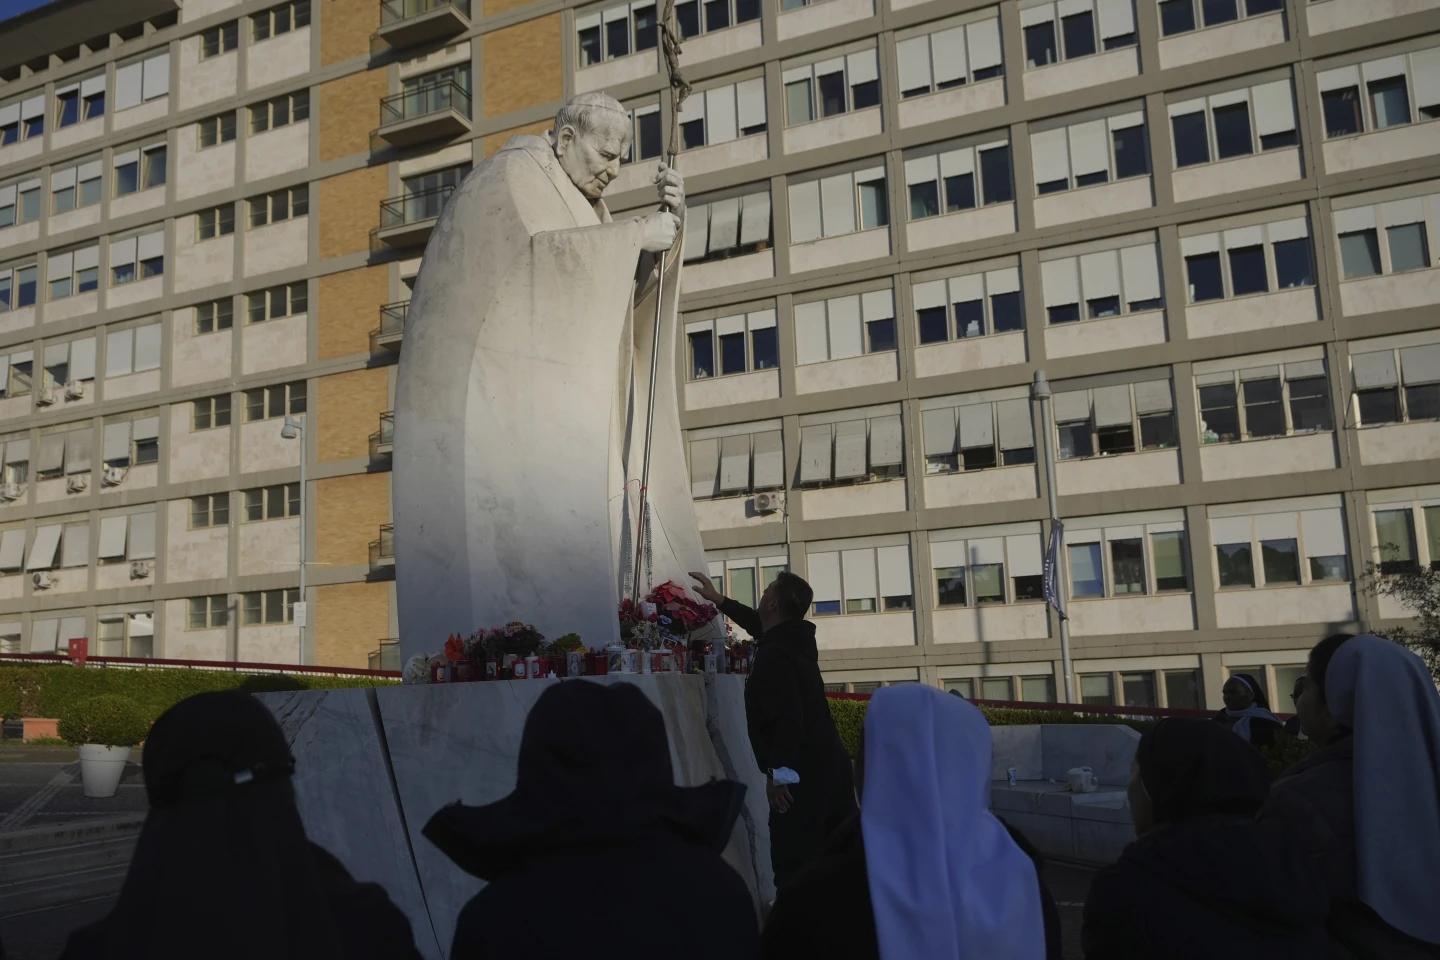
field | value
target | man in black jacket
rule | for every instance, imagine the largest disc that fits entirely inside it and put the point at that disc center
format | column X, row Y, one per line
column 792, row 734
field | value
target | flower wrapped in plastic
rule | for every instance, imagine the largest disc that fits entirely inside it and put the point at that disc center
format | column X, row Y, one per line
column 417, row 669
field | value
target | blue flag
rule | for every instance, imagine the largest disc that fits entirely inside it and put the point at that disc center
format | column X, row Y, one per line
column 1052, row 567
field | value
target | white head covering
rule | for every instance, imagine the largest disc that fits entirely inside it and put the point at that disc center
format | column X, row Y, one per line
column 946, row 880
column 1383, row 692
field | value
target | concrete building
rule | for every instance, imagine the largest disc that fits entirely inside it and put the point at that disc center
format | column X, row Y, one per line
column 1210, row 223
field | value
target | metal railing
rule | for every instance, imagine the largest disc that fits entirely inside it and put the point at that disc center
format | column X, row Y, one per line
column 385, row 436
column 386, row 658
column 414, row 207
column 398, row 11
column 392, row 318
column 424, row 101
column 382, row 551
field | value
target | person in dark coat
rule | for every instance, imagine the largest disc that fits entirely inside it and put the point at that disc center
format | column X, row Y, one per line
column 1365, row 801
column 828, row 911
column 1247, row 711
column 222, row 868
column 1202, row 881
column 597, row 853
column 1292, row 725
column 809, row 779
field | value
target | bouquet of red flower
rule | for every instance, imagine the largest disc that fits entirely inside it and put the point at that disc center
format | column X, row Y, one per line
column 455, row 648
column 666, row 617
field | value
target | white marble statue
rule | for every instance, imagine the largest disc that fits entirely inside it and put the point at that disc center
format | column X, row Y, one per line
column 519, row 413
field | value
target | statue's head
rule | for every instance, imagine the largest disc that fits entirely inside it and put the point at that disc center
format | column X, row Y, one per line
column 592, row 133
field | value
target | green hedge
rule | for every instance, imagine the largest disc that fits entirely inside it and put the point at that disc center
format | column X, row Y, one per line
column 53, row 690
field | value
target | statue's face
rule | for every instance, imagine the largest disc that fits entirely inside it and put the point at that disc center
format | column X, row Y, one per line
column 592, row 159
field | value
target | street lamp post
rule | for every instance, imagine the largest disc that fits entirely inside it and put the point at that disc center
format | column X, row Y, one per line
column 1041, row 393
column 295, row 430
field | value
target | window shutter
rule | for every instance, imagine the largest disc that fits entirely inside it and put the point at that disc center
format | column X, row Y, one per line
column 859, row 567
column 1016, row 431
column 894, row 567
column 122, row 252
column 735, row 463
column 12, row 550
column 1072, row 406
column 1307, row 368
column 938, row 427
column 843, row 323
column 885, row 446
column 127, row 85
column 33, row 107
column 720, row 120
column 1112, row 406
column 877, row 305
column 82, row 359
column 697, row 231
column 769, row 460
column 1004, row 280
column 1117, row 18
column 1277, row 526
column 804, row 211
column 922, row 169
column 1024, row 555
column 837, row 202
column 1372, row 370
column 850, row 439
column 948, row 54
column 1100, row 274
column 156, row 80
column 77, row 451
column 815, row 453
column 754, row 218
column 948, row 553
column 982, row 39
column 1425, row 76
column 1153, row 396
column 59, row 265
column 929, row 294
column 152, row 244
column 62, row 179
column 861, row 67
column 1421, row 365
column 811, row 339
column 986, row 551
column 142, row 535
column 87, row 258
column 1338, row 78
column 146, row 428
column 42, row 635
column 704, row 467
column 724, row 224
column 750, row 103
column 977, row 425
column 52, row 453
column 119, row 348
column 1049, row 156
column 42, row 551
column 912, row 60
column 116, row 445
column 1059, row 280
column 955, row 163
column 823, row 572
column 1324, row 532
column 1274, row 108
column 112, row 536
column 1383, row 68
column 1141, row 268
column 1089, row 148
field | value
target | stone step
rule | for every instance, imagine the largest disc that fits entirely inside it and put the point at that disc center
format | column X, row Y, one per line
column 55, row 835
column 51, row 866
column 60, row 889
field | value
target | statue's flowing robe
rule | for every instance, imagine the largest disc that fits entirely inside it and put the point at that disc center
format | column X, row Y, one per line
column 519, row 413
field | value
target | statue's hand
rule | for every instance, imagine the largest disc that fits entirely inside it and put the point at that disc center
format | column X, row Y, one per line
column 671, row 188
column 658, row 231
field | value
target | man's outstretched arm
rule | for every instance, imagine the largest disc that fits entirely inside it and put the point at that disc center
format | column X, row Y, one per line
column 745, row 618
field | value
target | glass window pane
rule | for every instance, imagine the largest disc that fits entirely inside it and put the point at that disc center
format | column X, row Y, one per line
column 1087, row 576
column 995, row 688
column 765, row 348
column 832, row 93
column 1079, row 31
column 924, row 200
column 1292, row 264
column 1379, row 406
column 1336, row 568
column 1264, row 415
column 742, row 585
column 1408, row 250
column 1040, row 45
column 880, row 335
column 1219, row 419
column 989, row 579
column 995, row 175
column 1039, row 689
column 1360, row 254
column 1206, row 282
column 1390, row 102
column 1310, row 404
column 934, row 325
column 1247, row 271
column 1097, row 688
column 1232, row 127
column 1139, row 689
column 797, row 102
column 964, row 687
column 950, row 586
column 1192, row 143
column 1395, row 536
column 1157, row 431
column 970, row 318
column 1007, row 313
column 1432, row 535
column 1127, row 566
column 732, row 353
column 1075, row 440
column 1176, row 16
column 873, row 211
column 1342, row 112
column 1182, row 689
column 1218, row 11
column 960, row 192
column 1282, row 561
column 1235, row 565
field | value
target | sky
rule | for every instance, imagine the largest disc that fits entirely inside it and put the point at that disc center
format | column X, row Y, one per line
column 12, row 8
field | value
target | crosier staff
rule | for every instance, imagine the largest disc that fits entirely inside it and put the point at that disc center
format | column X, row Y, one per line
column 679, row 90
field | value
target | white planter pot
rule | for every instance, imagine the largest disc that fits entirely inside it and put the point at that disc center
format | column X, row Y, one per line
column 101, row 768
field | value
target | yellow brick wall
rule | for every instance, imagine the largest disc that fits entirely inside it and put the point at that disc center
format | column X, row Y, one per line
column 349, row 208
column 494, row 8
column 522, row 65
column 348, row 513
column 347, row 410
column 348, row 305
column 350, row 620
column 347, row 110
column 346, row 26
column 495, row 141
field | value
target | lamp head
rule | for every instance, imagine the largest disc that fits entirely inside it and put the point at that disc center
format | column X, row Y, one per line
column 1040, row 389
column 291, row 429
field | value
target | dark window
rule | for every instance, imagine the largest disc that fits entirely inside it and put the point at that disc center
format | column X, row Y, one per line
column 1182, row 689
column 1310, row 404
column 995, row 175
column 687, row 17
column 1007, row 313
column 1247, row 271
column 1203, row 271
column 1235, row 565
column 1273, row 141
column 1379, row 406
column 1218, row 11
column 933, row 325
column 832, row 93
column 717, row 14
column 732, row 353
column 1103, row 307
column 865, row 94
column 1281, row 560
column 950, row 586
column 1408, row 249
column 1040, row 44
column 702, row 355
column 127, row 178
column 881, row 334
column 747, row 10
column 1064, row 313
column 987, row 73
column 1079, row 32
column 960, row 192
column 617, row 38
column 645, row 28
column 924, row 200
column 1090, row 179
column 1264, row 414
column 692, row 132
column 1120, row 40
column 1389, row 102
column 1360, row 253
column 1232, row 131
column 1218, row 414
column 1292, row 264
column 1192, row 145
column 1127, row 570
column 1253, row 8
column 1075, row 442
column 1157, row 431
column 1029, row 587
column 1117, row 439
column 765, row 348
column 69, row 112
column 1130, row 157
column 970, row 318
column 1342, row 111
column 978, row 458
column 1052, row 186
column 1176, row 16
column 1422, row 402
column 649, row 129
column 1019, row 456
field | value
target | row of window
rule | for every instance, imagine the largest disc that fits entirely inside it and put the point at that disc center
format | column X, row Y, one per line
column 80, row 183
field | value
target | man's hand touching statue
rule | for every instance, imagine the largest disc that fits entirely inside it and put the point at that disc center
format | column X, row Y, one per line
column 663, row 226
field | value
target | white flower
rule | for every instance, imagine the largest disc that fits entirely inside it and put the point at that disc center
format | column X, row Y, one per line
column 647, row 609
column 417, row 669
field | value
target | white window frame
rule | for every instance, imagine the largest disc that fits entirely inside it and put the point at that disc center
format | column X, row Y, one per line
column 1258, row 528
column 1020, row 546
column 1135, row 394
column 856, row 67
column 941, row 293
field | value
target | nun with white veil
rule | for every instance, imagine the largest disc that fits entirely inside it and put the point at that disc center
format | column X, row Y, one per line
column 1368, row 801
column 926, row 861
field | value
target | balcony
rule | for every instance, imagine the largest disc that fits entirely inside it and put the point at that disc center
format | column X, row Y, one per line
column 386, row 656
column 382, row 441
column 437, row 111
column 382, row 553
column 408, row 23
column 385, row 339
column 407, row 221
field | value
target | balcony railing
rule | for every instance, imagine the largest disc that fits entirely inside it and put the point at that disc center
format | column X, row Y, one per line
column 406, row 221
column 382, row 441
column 382, row 551
column 386, row 656
column 405, row 23
column 431, row 112
column 388, row 335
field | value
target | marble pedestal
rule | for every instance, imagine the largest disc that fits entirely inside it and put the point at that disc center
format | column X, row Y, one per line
column 372, row 766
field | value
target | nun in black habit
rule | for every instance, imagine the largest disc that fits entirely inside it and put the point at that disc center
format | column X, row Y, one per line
column 223, row 869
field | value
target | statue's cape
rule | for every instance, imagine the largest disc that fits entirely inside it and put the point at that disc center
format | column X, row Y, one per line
column 519, row 425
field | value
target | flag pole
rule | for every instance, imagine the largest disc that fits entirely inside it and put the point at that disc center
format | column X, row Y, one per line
column 679, row 90
column 1055, row 552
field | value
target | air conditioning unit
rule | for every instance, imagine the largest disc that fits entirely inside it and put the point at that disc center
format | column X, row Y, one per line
column 769, row 501
column 42, row 580
column 11, row 491
column 77, row 483
column 114, row 476
column 139, row 569
column 75, row 390
column 45, row 396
